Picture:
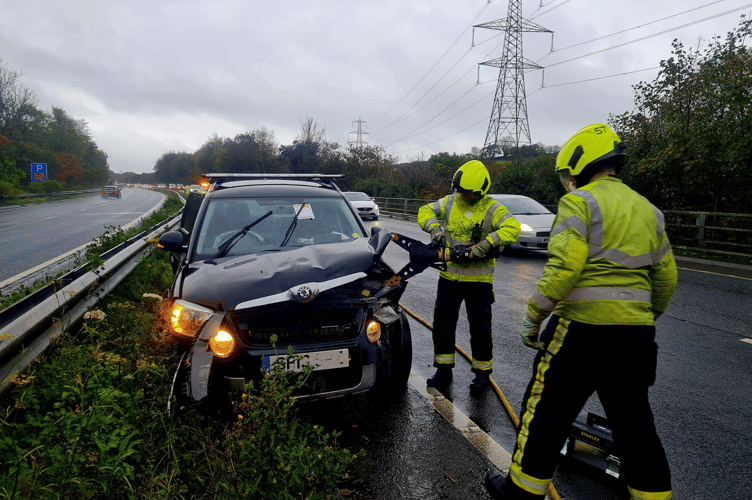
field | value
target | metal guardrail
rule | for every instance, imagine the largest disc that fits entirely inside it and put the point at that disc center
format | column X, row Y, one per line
column 704, row 232
column 29, row 327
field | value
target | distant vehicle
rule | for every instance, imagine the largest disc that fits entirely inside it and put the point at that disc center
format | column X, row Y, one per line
column 161, row 186
column 193, row 187
column 366, row 207
column 171, row 186
column 535, row 221
column 111, row 191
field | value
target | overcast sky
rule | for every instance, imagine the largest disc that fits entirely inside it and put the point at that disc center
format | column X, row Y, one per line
column 153, row 76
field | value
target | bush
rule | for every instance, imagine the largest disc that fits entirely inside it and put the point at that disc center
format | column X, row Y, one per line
column 7, row 189
column 45, row 187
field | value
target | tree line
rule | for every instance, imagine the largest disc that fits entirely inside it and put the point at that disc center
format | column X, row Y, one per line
column 30, row 135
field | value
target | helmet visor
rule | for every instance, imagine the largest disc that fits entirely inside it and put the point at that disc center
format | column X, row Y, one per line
column 565, row 176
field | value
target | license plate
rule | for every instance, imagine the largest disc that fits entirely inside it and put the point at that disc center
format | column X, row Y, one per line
column 320, row 360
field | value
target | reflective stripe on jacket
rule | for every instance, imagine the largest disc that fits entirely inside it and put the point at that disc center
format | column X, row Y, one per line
column 609, row 259
column 498, row 227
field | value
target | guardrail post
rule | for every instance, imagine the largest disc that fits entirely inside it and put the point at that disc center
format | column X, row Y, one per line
column 700, row 223
column 404, row 206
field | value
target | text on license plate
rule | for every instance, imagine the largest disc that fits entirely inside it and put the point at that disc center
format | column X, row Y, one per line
column 320, row 360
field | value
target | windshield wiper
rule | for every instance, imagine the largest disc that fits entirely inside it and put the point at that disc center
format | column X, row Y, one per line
column 293, row 225
column 229, row 242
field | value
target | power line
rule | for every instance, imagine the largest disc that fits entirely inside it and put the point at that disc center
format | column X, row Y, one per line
column 437, row 62
column 653, row 35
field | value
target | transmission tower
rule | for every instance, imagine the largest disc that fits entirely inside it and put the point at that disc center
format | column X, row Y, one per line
column 509, row 114
column 358, row 142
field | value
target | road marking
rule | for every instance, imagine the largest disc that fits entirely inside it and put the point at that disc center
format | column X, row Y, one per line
column 48, row 218
column 748, row 341
column 716, row 274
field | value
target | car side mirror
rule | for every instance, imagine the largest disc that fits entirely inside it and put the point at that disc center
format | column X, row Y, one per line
column 171, row 241
column 376, row 229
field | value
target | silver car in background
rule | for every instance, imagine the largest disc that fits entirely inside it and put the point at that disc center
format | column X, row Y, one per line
column 363, row 203
column 535, row 221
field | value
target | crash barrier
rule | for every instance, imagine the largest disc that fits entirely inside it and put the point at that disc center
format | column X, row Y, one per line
column 552, row 493
column 46, row 195
column 28, row 327
column 704, row 232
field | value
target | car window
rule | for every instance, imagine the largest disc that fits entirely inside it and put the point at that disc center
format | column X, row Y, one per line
column 356, row 196
column 523, row 206
column 321, row 221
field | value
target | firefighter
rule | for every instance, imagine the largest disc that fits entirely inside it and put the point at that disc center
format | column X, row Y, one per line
column 471, row 218
column 610, row 273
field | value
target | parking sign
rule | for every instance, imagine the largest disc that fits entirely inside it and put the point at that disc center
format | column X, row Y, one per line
column 38, row 172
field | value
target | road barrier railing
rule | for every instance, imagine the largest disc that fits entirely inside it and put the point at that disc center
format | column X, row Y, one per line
column 28, row 327
column 711, row 233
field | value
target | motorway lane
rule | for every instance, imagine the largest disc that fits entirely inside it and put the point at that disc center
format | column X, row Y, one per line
column 701, row 399
column 33, row 234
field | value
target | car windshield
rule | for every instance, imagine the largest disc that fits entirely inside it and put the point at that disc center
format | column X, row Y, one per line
column 320, row 221
column 358, row 197
column 523, row 206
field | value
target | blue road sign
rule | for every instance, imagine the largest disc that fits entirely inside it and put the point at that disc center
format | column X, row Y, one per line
column 38, row 172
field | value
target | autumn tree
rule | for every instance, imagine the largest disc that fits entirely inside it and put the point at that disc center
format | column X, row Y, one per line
column 67, row 168
column 689, row 137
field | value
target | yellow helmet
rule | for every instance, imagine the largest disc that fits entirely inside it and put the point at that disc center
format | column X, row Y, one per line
column 472, row 177
column 590, row 146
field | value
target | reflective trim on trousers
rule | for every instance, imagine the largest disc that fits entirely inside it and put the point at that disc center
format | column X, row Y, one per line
column 482, row 365
column 650, row 495
column 608, row 293
column 528, row 483
column 443, row 359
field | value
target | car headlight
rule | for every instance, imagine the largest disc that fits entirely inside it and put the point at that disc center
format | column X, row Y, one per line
column 222, row 344
column 186, row 318
column 525, row 228
column 373, row 332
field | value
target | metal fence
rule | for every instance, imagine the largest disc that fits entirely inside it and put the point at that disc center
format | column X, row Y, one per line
column 704, row 232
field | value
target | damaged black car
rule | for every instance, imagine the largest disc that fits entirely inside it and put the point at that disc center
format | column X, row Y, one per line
column 278, row 261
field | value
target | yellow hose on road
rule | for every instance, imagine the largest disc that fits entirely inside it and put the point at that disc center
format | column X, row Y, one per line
column 504, row 401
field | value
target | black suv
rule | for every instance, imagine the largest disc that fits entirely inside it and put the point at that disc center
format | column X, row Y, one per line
column 285, row 257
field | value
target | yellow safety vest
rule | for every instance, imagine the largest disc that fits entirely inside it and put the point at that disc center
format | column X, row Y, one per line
column 498, row 226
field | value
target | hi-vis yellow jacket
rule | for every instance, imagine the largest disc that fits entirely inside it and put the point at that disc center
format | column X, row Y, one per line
column 498, row 226
column 609, row 259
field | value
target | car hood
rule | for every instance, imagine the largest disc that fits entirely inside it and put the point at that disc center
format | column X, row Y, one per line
column 247, row 280
column 362, row 204
column 540, row 222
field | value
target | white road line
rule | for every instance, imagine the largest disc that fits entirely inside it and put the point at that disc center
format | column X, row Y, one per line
column 748, row 341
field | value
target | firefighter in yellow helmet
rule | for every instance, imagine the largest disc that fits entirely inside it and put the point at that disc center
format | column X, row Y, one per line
column 470, row 218
column 610, row 273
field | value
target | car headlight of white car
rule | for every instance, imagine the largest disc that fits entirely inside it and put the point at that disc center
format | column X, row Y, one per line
column 525, row 228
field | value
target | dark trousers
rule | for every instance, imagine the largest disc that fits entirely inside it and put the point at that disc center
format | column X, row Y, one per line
column 478, row 298
column 616, row 362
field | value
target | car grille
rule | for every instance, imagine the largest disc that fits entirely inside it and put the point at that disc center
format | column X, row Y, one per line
column 364, row 209
column 543, row 234
column 294, row 324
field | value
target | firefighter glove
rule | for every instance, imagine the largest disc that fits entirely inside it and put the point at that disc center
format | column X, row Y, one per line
column 529, row 333
column 480, row 250
column 437, row 236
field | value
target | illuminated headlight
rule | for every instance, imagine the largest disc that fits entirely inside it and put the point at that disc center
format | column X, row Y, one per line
column 186, row 318
column 525, row 228
column 373, row 332
column 222, row 344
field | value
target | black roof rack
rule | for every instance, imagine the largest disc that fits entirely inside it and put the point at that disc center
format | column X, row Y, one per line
column 221, row 178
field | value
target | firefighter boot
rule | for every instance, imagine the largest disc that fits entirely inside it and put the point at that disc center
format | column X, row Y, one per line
column 480, row 382
column 442, row 376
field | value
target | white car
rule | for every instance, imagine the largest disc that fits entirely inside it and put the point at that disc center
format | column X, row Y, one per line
column 535, row 220
column 363, row 203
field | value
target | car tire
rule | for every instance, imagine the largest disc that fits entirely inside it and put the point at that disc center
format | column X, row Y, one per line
column 401, row 363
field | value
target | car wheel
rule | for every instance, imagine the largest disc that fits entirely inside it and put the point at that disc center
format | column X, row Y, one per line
column 401, row 362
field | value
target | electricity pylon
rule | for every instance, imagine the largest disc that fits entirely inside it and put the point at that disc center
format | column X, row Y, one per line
column 358, row 142
column 509, row 114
